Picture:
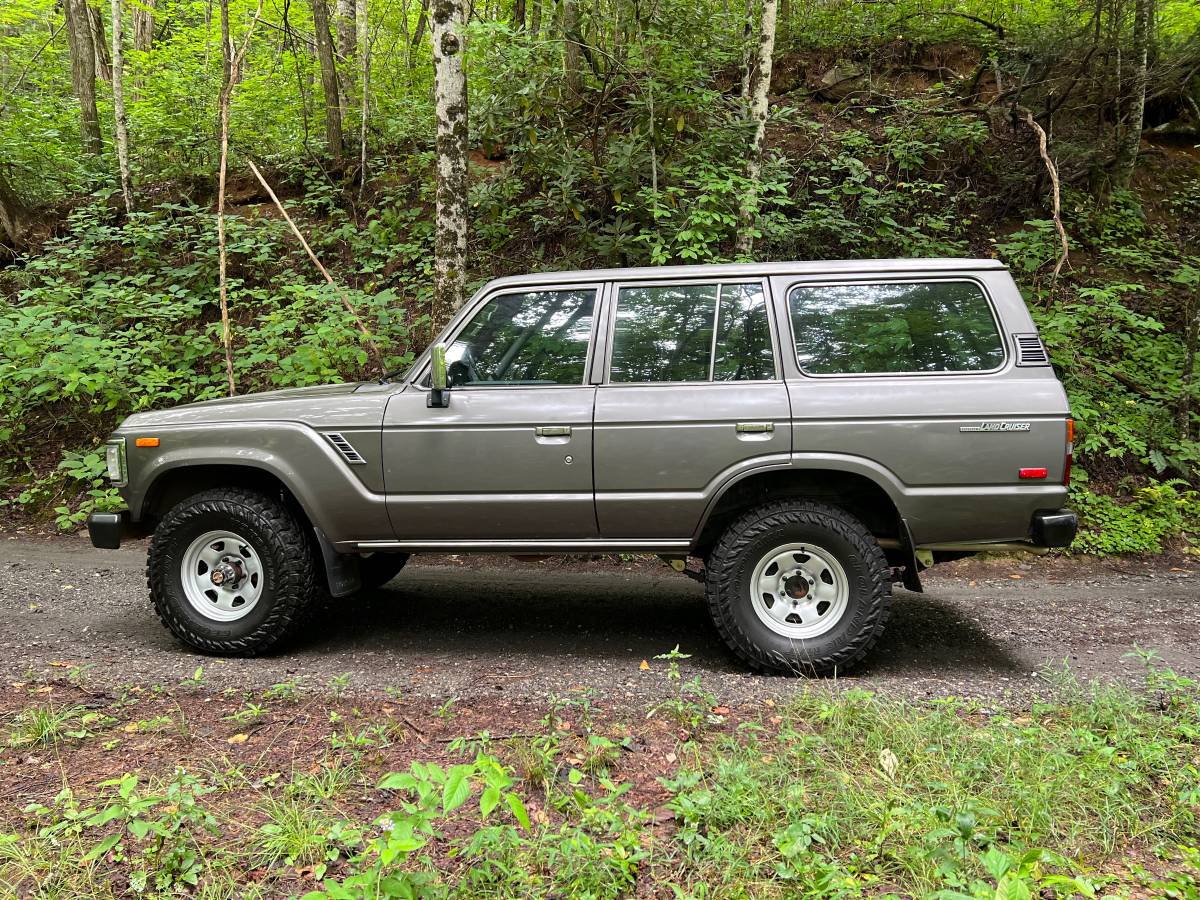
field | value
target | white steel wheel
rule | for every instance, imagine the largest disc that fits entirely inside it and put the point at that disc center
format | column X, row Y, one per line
column 222, row 576
column 799, row 591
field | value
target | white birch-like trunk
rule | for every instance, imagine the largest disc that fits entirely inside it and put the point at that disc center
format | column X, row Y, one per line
column 223, row 108
column 760, row 83
column 364, row 55
column 345, row 19
column 121, row 122
column 231, row 62
column 450, row 101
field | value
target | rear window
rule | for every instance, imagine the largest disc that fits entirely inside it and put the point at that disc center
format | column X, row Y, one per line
column 849, row 329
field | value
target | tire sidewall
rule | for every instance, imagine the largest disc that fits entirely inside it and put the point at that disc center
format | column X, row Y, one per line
column 178, row 535
column 855, row 619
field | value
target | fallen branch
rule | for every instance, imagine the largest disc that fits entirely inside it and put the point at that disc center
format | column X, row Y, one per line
column 313, row 256
column 1052, row 171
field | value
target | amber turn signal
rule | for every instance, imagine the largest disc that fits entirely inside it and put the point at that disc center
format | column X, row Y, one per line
column 145, row 442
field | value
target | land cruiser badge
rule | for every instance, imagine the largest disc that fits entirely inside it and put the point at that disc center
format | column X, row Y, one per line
column 996, row 426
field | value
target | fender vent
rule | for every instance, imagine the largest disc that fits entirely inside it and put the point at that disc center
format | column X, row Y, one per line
column 346, row 449
column 1031, row 351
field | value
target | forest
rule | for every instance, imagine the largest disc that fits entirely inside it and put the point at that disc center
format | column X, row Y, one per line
column 200, row 197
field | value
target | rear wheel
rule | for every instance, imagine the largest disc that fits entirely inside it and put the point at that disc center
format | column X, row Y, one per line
column 798, row 587
column 232, row 571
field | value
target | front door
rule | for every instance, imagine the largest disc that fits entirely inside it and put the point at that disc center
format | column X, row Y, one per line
column 691, row 395
column 510, row 458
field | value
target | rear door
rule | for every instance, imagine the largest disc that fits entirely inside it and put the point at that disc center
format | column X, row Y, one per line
column 511, row 457
column 691, row 393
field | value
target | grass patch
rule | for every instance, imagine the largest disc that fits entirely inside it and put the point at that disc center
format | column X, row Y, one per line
column 1092, row 791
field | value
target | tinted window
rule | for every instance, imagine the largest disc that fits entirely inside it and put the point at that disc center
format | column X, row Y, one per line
column 744, row 351
column 665, row 334
column 942, row 326
column 539, row 337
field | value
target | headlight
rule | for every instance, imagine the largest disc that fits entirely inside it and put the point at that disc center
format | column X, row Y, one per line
column 114, row 456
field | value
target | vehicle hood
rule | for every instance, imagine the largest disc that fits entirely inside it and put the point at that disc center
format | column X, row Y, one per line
column 289, row 404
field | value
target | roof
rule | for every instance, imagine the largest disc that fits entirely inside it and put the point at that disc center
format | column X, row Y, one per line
column 752, row 270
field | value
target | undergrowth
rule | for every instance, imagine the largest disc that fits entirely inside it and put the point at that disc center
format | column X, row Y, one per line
column 1092, row 790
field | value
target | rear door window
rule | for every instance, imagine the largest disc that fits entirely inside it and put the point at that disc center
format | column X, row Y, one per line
column 894, row 328
column 691, row 333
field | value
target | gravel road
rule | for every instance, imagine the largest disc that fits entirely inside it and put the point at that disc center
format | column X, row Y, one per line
column 475, row 629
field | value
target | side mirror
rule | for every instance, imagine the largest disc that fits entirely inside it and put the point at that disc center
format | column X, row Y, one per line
column 439, row 390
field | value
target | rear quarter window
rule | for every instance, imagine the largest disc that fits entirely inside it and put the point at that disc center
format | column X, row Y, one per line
column 894, row 328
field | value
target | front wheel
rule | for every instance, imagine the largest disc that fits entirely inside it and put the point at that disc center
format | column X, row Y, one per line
column 798, row 587
column 232, row 572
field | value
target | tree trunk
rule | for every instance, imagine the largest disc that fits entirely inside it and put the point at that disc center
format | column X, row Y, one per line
column 422, row 24
column 571, row 49
column 760, row 83
column 120, row 121
column 535, row 18
column 450, row 95
column 1131, row 136
column 344, row 17
column 99, row 44
column 143, row 25
column 747, row 56
column 14, row 216
column 364, row 57
column 83, row 72
column 518, row 15
column 329, row 79
column 230, row 63
column 223, row 107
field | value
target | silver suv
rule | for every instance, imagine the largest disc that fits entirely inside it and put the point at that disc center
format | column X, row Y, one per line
column 812, row 432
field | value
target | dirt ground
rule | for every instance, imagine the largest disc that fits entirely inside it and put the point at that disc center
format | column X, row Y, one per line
column 475, row 628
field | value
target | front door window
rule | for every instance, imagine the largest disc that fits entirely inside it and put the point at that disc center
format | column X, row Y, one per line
column 527, row 338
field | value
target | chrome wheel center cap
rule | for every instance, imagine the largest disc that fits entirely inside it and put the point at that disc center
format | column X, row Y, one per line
column 227, row 574
column 796, row 585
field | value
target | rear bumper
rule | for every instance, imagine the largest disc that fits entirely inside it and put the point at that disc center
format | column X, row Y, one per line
column 1053, row 527
column 108, row 529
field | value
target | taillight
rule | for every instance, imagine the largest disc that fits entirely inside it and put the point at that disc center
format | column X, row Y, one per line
column 1070, row 451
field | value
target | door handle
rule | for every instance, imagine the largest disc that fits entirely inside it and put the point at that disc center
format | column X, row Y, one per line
column 755, row 427
column 553, row 431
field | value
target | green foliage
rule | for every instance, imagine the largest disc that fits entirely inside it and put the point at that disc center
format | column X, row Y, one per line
column 642, row 162
column 435, row 793
column 159, row 836
column 853, row 793
column 1144, row 522
column 689, row 703
column 1093, row 789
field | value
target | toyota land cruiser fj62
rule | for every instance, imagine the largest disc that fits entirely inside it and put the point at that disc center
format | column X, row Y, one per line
column 807, row 434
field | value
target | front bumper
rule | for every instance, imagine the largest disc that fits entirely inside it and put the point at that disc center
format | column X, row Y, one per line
column 1053, row 527
column 108, row 529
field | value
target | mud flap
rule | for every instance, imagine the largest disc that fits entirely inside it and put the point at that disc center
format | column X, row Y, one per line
column 910, row 578
column 341, row 569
